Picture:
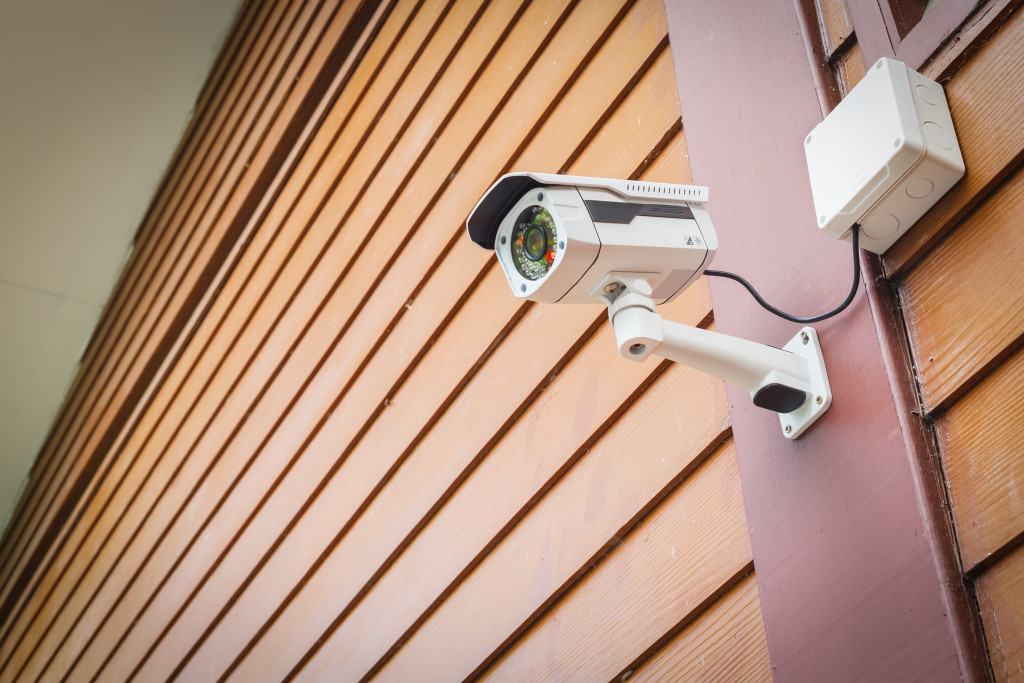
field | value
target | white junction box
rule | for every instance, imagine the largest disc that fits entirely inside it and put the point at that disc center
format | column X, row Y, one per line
column 883, row 157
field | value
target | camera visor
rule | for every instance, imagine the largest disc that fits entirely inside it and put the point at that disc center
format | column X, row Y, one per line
column 534, row 237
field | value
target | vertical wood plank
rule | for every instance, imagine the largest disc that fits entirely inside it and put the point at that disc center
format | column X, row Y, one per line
column 984, row 100
column 966, row 301
column 1001, row 594
column 981, row 440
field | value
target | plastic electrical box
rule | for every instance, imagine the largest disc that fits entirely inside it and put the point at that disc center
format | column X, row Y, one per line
column 883, row 157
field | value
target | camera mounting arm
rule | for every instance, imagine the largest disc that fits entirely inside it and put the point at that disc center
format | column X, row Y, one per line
column 790, row 381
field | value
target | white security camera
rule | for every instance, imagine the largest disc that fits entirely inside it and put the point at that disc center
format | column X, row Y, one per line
column 631, row 245
column 558, row 237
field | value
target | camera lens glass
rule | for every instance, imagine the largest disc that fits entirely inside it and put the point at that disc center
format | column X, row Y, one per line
column 534, row 237
column 535, row 243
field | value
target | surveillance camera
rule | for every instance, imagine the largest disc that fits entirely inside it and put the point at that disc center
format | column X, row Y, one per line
column 632, row 245
column 565, row 238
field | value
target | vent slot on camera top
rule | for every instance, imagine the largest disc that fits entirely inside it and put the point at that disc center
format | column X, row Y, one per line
column 625, row 212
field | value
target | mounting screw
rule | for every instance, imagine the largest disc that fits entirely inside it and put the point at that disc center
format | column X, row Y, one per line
column 788, row 429
column 626, row 675
column 637, row 349
column 804, row 338
column 818, row 400
column 611, row 288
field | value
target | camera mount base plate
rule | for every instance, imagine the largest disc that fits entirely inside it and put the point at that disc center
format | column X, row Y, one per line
column 805, row 344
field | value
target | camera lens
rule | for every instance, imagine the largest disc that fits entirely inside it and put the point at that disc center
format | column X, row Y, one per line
column 534, row 237
column 535, row 243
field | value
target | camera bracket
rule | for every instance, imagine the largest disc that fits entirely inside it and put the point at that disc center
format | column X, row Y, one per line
column 790, row 381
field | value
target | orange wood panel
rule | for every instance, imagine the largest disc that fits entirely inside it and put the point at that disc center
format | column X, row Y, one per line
column 651, row 110
column 47, row 508
column 1001, row 596
column 586, row 513
column 851, row 67
column 397, row 509
column 334, row 504
column 380, row 440
column 984, row 98
column 286, row 292
column 835, row 25
column 47, row 462
column 81, row 465
column 162, row 304
column 225, row 66
column 322, row 56
column 133, row 488
column 965, row 303
column 261, row 105
column 726, row 642
column 223, row 501
column 179, row 231
column 624, row 603
column 591, row 391
column 272, row 409
column 981, row 440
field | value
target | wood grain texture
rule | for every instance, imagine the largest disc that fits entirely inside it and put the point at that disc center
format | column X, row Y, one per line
column 308, row 78
column 328, row 381
column 172, row 507
column 114, row 481
column 578, row 521
column 1001, row 595
column 339, row 403
column 965, row 303
column 50, row 467
column 726, row 642
column 71, row 467
column 836, row 27
column 636, row 593
column 984, row 99
column 513, row 475
column 850, row 67
column 214, row 489
column 209, row 101
column 981, row 439
column 410, row 410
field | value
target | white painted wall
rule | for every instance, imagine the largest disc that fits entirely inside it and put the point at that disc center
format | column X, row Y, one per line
column 94, row 97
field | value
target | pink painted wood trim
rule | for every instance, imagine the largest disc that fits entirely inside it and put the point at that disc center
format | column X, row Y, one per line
column 853, row 571
column 878, row 37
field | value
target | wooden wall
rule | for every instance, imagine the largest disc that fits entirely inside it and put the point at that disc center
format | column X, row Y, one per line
column 315, row 436
column 959, row 274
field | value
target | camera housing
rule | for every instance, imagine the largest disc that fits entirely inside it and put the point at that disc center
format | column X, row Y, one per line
column 631, row 245
column 559, row 238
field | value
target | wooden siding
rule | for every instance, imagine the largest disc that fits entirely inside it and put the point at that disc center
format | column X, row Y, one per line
column 233, row 147
column 315, row 436
column 960, row 277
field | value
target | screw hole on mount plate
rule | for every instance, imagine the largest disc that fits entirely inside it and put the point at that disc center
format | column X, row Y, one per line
column 637, row 349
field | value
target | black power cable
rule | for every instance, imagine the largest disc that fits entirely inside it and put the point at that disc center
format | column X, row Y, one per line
column 792, row 318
